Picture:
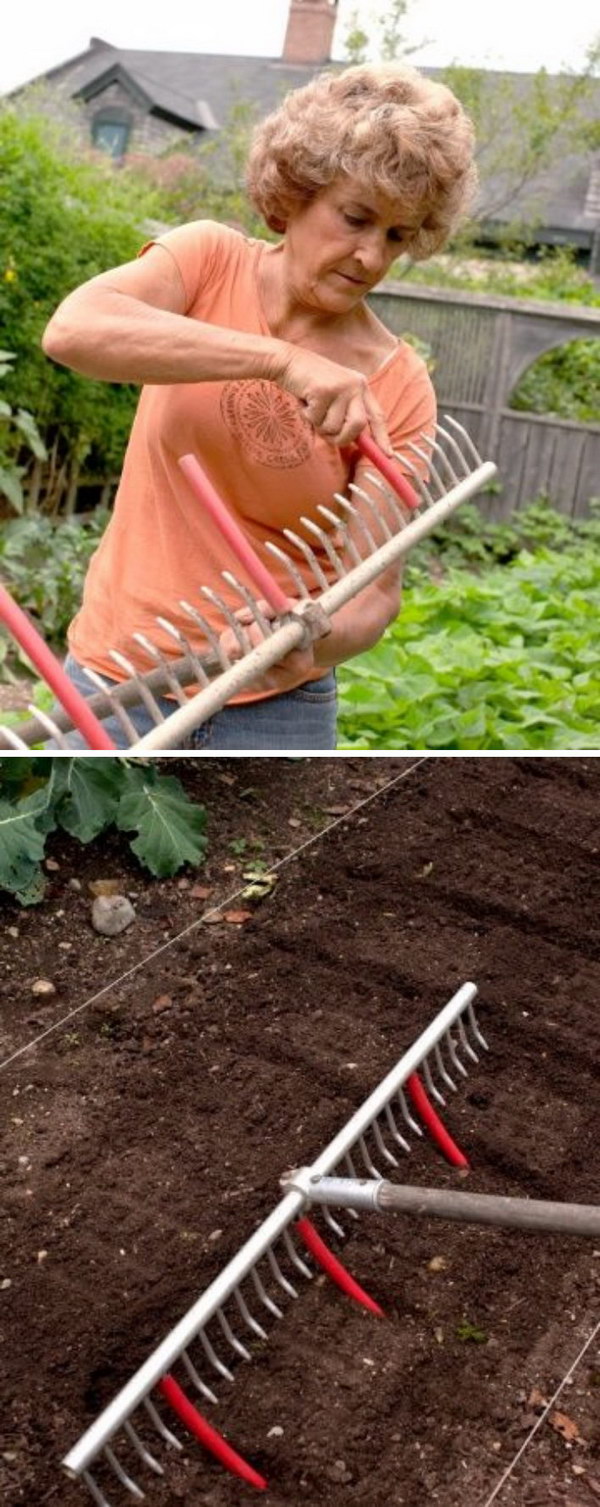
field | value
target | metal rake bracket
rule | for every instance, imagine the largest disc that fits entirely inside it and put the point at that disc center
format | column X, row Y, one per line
column 361, row 536
column 255, row 1288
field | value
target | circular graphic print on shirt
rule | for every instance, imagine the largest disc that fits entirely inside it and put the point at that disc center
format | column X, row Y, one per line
column 267, row 423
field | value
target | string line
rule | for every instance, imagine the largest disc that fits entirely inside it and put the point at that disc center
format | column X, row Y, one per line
column 280, row 863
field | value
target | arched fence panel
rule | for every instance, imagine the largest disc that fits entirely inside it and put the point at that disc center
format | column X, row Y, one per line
column 480, row 347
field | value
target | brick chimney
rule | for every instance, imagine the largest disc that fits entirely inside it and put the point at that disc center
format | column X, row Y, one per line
column 310, row 28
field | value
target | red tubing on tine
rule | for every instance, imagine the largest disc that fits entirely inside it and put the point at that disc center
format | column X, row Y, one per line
column 237, row 541
column 333, row 1267
column 52, row 672
column 425, row 1109
column 389, row 468
column 213, row 1441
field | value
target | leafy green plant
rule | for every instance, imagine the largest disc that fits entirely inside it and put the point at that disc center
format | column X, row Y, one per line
column 85, row 797
column 471, row 1333
column 18, row 429
column 44, row 562
column 509, row 659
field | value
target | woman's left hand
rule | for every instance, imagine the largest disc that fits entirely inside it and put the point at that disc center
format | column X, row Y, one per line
column 297, row 666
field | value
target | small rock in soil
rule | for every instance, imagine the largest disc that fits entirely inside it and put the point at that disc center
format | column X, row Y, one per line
column 112, row 914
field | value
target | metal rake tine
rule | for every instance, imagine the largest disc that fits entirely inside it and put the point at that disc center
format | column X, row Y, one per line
column 278, row 1274
column 141, row 1450
column 294, row 1257
column 406, row 1115
column 433, row 472
column 419, row 484
column 362, row 1145
column 454, row 1057
column 145, row 694
column 266, row 627
column 122, row 1475
column 445, row 1076
column 252, row 1323
column 397, row 1137
column 327, row 545
column 465, row 436
column 350, row 509
column 465, row 1043
column 94, row 1490
column 435, row 1093
column 160, row 659
column 333, row 1224
column 161, row 1427
column 455, row 448
column 196, row 1379
column 209, row 632
column 264, row 1296
column 437, row 450
column 49, row 726
column 183, row 642
column 364, row 497
column 381, row 1146
column 373, row 506
column 391, row 500
column 116, row 710
column 341, row 526
column 236, row 1344
column 230, row 618
column 309, row 556
column 298, row 580
column 212, row 1357
column 472, row 1019
column 13, row 739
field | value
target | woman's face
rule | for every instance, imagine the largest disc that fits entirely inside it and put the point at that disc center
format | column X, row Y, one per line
column 340, row 244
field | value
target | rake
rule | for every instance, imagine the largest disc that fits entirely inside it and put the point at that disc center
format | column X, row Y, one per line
column 265, row 1271
column 222, row 1326
column 345, row 551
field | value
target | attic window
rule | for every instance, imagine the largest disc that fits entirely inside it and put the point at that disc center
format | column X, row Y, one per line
column 111, row 129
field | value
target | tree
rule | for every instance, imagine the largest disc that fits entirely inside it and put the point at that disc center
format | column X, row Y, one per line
column 523, row 123
column 65, row 215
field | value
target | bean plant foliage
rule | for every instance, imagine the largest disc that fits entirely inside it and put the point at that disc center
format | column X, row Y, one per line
column 504, row 654
column 85, row 797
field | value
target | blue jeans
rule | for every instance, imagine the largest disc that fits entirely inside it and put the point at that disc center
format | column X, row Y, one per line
column 301, row 719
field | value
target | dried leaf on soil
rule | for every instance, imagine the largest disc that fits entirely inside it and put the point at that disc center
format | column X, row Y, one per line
column 566, row 1426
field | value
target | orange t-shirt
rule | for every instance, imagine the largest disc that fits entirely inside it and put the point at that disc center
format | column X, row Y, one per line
column 263, row 457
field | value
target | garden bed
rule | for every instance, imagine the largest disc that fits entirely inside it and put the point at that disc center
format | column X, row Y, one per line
column 144, row 1138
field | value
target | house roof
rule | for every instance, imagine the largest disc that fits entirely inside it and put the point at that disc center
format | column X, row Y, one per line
column 199, row 90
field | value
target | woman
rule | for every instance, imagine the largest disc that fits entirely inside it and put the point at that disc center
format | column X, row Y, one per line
column 265, row 361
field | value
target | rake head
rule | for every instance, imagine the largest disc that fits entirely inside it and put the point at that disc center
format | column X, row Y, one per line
column 360, row 536
column 239, row 1307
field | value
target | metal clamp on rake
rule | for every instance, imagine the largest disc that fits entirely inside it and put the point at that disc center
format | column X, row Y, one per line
column 265, row 1271
column 353, row 535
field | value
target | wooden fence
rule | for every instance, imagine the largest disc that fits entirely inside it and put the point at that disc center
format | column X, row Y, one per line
column 481, row 347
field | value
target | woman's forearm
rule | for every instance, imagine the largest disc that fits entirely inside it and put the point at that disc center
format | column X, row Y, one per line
column 110, row 335
column 359, row 625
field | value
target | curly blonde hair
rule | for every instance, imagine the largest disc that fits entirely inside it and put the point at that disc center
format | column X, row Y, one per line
column 399, row 133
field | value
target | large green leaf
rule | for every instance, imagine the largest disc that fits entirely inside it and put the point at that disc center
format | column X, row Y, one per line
column 22, row 846
column 170, row 828
column 87, row 794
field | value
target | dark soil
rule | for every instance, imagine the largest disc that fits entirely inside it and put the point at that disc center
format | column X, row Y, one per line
column 145, row 1137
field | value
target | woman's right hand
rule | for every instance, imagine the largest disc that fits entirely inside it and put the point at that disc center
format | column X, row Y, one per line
column 335, row 399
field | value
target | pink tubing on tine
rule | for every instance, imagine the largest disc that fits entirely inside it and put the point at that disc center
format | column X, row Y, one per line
column 435, row 1126
column 334, row 1268
column 389, row 469
column 237, row 541
column 208, row 1436
column 52, row 672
